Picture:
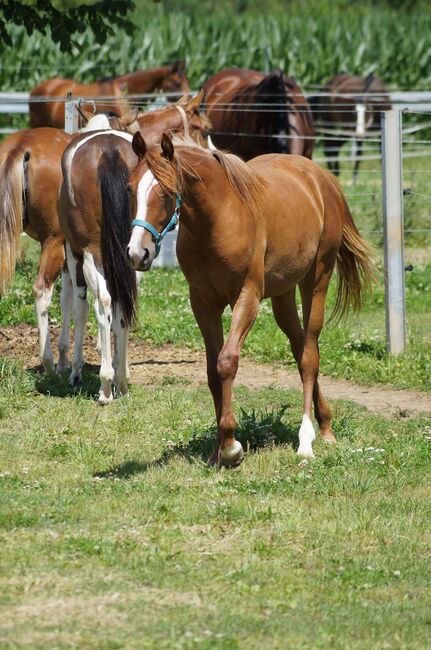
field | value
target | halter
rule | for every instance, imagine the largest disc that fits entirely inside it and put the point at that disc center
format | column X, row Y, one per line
column 158, row 236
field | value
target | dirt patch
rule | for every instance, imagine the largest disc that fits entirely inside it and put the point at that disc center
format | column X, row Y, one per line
column 150, row 366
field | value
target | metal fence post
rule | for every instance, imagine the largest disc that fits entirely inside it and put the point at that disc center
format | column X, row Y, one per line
column 393, row 230
column 70, row 115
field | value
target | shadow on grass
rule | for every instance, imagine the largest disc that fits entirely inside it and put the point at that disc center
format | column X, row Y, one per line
column 57, row 385
column 256, row 430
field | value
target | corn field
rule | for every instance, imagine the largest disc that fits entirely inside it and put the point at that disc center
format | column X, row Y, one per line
column 395, row 45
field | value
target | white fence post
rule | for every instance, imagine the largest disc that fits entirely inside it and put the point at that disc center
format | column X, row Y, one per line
column 70, row 115
column 393, row 230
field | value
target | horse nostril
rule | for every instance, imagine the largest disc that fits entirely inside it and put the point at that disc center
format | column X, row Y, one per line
column 146, row 254
column 128, row 254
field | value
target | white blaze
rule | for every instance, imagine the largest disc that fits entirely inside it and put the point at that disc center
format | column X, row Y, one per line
column 145, row 185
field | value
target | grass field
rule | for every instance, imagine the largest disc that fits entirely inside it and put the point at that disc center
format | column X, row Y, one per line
column 114, row 534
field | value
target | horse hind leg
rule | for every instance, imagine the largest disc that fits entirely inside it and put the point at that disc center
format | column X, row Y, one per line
column 80, row 314
column 51, row 261
column 120, row 363
column 286, row 316
column 102, row 303
column 314, row 288
column 66, row 301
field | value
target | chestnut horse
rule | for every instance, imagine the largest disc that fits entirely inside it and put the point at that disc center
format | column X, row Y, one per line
column 95, row 218
column 253, row 113
column 349, row 106
column 250, row 231
column 169, row 78
column 30, row 178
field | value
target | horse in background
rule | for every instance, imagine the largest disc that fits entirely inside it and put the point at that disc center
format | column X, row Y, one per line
column 350, row 107
column 250, row 231
column 30, row 179
column 94, row 215
column 253, row 113
column 169, row 78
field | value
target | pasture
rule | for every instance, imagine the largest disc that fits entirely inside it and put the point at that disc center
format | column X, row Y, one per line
column 114, row 532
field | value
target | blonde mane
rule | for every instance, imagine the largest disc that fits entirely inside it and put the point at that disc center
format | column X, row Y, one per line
column 244, row 180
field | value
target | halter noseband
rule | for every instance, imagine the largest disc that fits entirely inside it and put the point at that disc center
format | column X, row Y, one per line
column 158, row 236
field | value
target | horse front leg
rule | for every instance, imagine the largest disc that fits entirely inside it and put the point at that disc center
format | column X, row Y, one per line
column 243, row 316
column 51, row 261
column 209, row 320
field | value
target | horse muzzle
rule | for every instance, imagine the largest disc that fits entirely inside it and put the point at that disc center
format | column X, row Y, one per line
column 140, row 261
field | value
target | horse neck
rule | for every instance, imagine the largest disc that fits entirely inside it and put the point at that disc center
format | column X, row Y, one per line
column 144, row 81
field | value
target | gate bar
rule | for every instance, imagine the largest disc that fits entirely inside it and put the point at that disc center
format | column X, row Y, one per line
column 393, row 230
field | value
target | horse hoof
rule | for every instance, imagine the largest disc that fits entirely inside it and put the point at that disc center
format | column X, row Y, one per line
column 103, row 400
column 232, row 456
column 75, row 380
column 305, row 452
column 329, row 438
column 48, row 365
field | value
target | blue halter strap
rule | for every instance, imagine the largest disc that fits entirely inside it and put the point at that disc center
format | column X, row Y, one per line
column 158, row 236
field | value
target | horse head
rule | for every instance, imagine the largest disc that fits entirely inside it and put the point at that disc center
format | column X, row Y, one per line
column 175, row 79
column 155, row 200
column 103, row 121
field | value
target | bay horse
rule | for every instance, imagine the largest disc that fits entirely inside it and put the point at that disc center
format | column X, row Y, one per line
column 350, row 107
column 30, row 178
column 169, row 78
column 253, row 113
column 250, row 231
column 94, row 216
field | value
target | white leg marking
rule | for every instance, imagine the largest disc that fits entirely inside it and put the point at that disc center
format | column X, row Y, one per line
column 66, row 302
column 306, row 437
column 232, row 452
column 42, row 302
column 121, row 366
column 97, row 284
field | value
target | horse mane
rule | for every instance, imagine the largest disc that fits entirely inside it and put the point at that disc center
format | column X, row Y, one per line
column 244, row 180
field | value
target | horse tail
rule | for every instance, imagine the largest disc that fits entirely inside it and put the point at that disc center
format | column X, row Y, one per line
column 113, row 175
column 12, row 212
column 355, row 268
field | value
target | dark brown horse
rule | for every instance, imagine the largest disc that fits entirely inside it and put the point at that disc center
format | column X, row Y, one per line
column 349, row 107
column 250, row 231
column 95, row 218
column 169, row 78
column 30, row 178
column 253, row 113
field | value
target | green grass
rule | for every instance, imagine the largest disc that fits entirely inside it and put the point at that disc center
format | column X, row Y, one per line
column 114, row 533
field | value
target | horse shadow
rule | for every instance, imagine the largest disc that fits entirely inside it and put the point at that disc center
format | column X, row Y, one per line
column 255, row 431
column 57, row 384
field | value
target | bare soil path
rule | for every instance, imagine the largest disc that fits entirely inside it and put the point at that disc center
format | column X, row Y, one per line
column 150, row 365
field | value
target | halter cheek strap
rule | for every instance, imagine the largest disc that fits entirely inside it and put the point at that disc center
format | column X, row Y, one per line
column 158, row 236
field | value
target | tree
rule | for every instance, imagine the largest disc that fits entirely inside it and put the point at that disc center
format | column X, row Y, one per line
column 64, row 18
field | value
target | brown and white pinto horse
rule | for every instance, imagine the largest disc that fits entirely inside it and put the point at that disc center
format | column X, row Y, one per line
column 30, row 178
column 253, row 113
column 350, row 107
column 95, row 218
column 169, row 78
column 250, row 231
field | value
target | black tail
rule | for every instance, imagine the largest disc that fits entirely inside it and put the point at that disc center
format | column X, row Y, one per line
column 115, row 233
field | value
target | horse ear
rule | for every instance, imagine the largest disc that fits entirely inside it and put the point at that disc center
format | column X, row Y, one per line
column 167, row 147
column 183, row 100
column 195, row 102
column 129, row 118
column 138, row 145
column 86, row 115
